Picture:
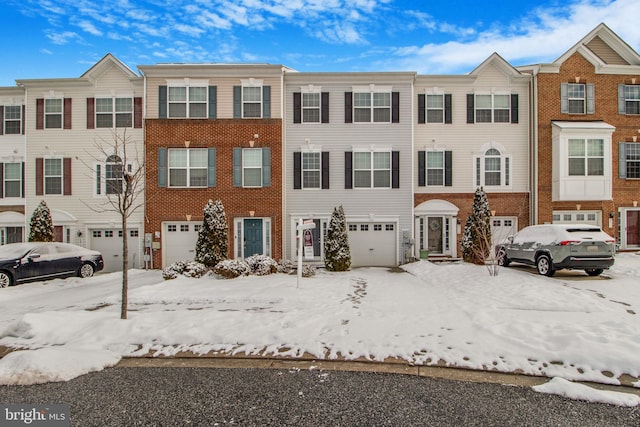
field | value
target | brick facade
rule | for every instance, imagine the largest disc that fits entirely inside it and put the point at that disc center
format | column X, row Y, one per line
column 174, row 204
column 625, row 191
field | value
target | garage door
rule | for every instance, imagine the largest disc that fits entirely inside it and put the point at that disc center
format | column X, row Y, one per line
column 503, row 227
column 372, row 244
column 179, row 241
column 108, row 241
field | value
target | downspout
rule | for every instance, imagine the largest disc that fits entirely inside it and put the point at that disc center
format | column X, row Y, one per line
column 283, row 171
column 534, row 151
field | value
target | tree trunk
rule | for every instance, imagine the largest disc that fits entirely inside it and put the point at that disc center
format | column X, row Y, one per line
column 125, row 267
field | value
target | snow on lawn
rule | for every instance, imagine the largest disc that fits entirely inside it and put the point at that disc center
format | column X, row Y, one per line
column 570, row 326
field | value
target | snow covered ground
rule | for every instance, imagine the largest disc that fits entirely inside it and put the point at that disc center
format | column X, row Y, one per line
column 570, row 326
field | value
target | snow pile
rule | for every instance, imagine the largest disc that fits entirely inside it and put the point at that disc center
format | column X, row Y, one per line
column 575, row 391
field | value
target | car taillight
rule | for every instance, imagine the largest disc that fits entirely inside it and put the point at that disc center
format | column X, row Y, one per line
column 568, row 242
column 611, row 241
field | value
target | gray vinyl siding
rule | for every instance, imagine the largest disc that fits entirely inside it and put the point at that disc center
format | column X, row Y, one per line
column 337, row 137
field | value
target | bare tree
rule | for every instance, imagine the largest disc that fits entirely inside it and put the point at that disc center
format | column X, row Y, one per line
column 120, row 166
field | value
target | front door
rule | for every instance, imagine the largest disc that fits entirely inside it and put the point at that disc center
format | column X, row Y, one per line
column 633, row 228
column 252, row 237
column 435, row 234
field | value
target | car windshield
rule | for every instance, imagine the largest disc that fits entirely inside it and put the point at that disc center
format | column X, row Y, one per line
column 14, row 250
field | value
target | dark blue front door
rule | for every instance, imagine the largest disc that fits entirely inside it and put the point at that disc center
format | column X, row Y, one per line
column 252, row 237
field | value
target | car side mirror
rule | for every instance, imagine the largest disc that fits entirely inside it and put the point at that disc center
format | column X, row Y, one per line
column 510, row 239
column 33, row 256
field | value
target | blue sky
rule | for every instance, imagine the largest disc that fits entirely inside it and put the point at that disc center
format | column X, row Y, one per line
column 64, row 38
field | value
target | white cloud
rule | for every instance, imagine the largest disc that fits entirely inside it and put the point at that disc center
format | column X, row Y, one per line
column 63, row 37
column 89, row 28
column 540, row 37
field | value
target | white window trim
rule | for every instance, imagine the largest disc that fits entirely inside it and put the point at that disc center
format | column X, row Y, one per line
column 372, row 89
column 19, row 180
column 318, row 108
column 61, row 113
column 267, row 238
column 244, row 150
column 253, row 83
column 583, row 99
column 302, row 169
column 188, row 168
column 19, row 120
column 371, row 169
column 426, row 168
column 114, row 112
column 493, row 107
column 586, row 158
column 188, row 83
column 626, row 100
column 503, row 170
column 44, row 176
column 100, row 170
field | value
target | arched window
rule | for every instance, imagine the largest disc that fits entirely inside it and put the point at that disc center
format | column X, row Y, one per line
column 493, row 169
column 113, row 174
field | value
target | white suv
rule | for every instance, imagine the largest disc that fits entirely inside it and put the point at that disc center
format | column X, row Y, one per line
column 551, row 247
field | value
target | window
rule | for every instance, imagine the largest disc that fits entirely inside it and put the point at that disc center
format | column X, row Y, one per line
column 252, row 167
column 353, row 227
column 311, row 173
column 133, row 233
column 372, row 107
column 586, row 157
column 311, row 107
column 493, row 169
column 188, row 167
column 96, row 233
column 172, row 228
column 364, row 227
column 630, row 160
column 187, row 101
column 629, row 99
column 577, row 98
column 113, row 175
column 53, row 113
column 251, row 102
column 184, row 227
column 12, row 180
column 12, row 119
column 435, row 108
column 52, row 176
column 435, row 168
column 114, row 110
column 372, row 169
column 492, row 108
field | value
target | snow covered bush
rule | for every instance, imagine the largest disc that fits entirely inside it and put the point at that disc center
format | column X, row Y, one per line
column 186, row 268
column 41, row 224
column 211, row 247
column 336, row 245
column 232, row 268
column 285, row 266
column 261, row 265
column 308, row 270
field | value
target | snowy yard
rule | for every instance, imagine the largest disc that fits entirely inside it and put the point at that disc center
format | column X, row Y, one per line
column 570, row 326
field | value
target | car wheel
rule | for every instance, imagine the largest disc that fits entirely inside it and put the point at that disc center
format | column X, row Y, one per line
column 5, row 279
column 503, row 260
column 594, row 271
column 86, row 270
column 544, row 266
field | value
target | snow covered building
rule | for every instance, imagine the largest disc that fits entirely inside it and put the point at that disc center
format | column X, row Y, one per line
column 70, row 126
column 348, row 141
column 471, row 131
column 213, row 131
column 587, row 125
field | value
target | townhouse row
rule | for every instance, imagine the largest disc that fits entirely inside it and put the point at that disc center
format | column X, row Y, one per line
column 403, row 153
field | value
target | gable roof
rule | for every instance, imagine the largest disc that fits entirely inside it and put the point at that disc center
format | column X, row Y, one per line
column 602, row 47
column 105, row 64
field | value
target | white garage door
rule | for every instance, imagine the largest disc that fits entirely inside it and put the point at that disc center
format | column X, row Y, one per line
column 108, row 241
column 179, row 241
column 503, row 227
column 372, row 244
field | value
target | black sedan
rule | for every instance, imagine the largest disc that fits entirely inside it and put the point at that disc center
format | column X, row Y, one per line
column 26, row 262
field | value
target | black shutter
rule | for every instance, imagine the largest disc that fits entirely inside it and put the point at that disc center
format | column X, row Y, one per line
column 348, row 170
column 348, row 107
column 422, row 168
column 325, row 170
column 447, row 109
column 213, row 102
column 514, row 108
column 24, row 110
column 297, row 107
column 470, row 108
column 137, row 112
column 162, row 102
column 448, row 169
column 22, row 193
column 324, row 104
column 422, row 105
column 297, row 170
column 395, row 169
column 395, row 107
column 1, row 178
